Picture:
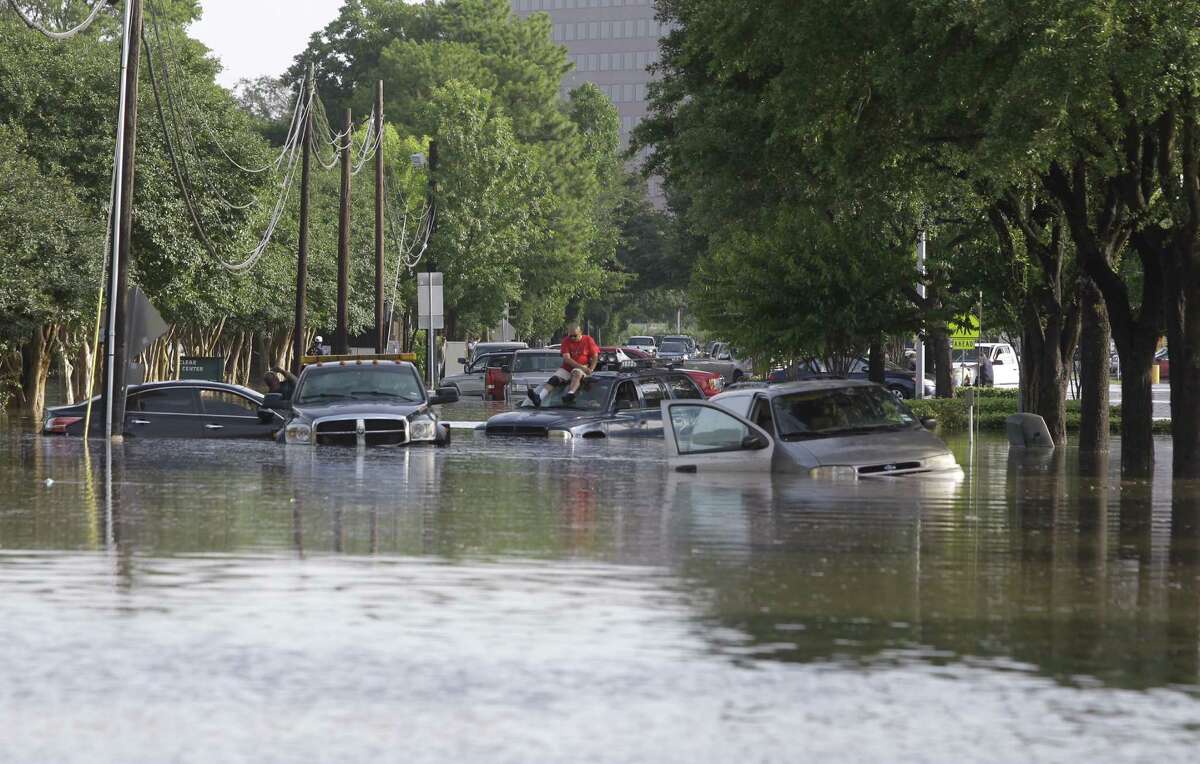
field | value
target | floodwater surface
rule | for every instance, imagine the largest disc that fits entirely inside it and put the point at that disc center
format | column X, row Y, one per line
column 523, row 600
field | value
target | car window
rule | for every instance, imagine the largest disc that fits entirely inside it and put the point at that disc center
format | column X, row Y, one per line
column 701, row 429
column 839, row 411
column 525, row 362
column 673, row 347
column 653, row 392
column 760, row 414
column 640, row 341
column 683, row 388
column 164, row 401
column 225, row 403
column 627, row 397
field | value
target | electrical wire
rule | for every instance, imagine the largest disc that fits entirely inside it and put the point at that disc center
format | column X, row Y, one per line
column 55, row 34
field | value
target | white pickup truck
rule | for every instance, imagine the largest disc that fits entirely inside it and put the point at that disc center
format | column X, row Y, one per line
column 1006, row 366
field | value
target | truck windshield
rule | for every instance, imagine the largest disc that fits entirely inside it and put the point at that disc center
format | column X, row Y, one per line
column 322, row 385
column 546, row 362
column 640, row 341
column 839, row 411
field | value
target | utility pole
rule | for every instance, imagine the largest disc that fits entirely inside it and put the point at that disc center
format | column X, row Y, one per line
column 431, row 333
column 302, row 249
column 116, row 350
column 919, row 387
column 341, row 337
column 380, row 330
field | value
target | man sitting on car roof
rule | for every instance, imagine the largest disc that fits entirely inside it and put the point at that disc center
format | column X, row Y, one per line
column 580, row 355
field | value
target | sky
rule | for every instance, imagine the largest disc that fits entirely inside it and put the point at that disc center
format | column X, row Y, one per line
column 256, row 37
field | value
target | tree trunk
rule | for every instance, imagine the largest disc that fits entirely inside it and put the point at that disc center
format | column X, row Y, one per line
column 1137, row 435
column 1094, row 341
column 939, row 338
column 875, row 361
column 35, row 368
column 1052, row 383
column 1183, row 339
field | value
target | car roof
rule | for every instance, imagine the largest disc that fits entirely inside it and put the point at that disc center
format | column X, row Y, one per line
column 501, row 345
column 538, row 351
column 804, row 385
column 225, row 386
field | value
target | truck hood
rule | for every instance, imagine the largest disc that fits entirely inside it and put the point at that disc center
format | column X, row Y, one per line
column 544, row 419
column 362, row 409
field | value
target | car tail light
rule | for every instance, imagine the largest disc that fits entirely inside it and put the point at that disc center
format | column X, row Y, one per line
column 59, row 424
column 714, row 384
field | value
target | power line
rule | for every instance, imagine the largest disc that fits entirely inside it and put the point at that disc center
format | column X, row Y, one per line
column 55, row 34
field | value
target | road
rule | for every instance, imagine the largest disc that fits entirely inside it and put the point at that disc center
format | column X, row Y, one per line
column 1161, row 394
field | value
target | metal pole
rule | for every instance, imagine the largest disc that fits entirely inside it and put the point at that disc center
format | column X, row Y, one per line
column 920, row 343
column 116, row 349
column 341, row 337
column 380, row 331
column 431, row 334
column 302, row 248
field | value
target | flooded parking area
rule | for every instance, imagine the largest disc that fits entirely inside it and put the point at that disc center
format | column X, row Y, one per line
column 518, row 600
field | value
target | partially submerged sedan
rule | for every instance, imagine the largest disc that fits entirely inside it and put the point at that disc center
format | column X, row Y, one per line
column 368, row 402
column 841, row 429
column 609, row 404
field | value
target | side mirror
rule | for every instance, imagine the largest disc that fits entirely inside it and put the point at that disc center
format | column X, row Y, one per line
column 929, row 423
column 463, row 361
column 997, row 362
column 506, row 368
column 444, row 395
column 754, row 442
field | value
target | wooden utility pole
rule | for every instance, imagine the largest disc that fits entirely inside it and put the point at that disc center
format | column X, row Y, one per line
column 302, row 249
column 380, row 329
column 341, row 336
column 116, row 359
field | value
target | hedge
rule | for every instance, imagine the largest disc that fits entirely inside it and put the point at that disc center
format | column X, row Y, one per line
column 993, row 407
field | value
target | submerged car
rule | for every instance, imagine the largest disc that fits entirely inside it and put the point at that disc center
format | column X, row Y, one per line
column 609, row 404
column 842, row 429
column 369, row 402
column 177, row 409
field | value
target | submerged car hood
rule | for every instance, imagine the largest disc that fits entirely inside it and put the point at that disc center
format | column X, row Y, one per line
column 358, row 409
column 873, row 448
column 547, row 418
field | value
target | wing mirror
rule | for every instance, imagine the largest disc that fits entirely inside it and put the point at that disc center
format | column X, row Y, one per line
column 463, row 361
column 447, row 394
column 997, row 362
column 272, row 404
column 754, row 442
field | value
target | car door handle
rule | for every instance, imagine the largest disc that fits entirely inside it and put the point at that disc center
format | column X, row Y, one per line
column 214, row 427
column 140, row 421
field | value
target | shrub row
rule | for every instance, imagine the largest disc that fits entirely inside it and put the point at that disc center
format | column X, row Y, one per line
column 991, row 411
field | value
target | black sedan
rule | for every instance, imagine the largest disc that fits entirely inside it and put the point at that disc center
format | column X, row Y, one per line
column 609, row 404
column 179, row 409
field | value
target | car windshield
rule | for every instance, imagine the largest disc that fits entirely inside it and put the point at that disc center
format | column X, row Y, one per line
column 592, row 396
column 354, row 383
column 673, row 347
column 547, row 362
column 640, row 341
column 839, row 411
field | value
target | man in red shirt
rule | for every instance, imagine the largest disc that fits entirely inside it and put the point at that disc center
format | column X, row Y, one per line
column 580, row 356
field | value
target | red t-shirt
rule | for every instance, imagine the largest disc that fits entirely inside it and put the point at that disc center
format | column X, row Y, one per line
column 582, row 350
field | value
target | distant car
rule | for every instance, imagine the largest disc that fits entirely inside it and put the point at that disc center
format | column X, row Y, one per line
column 839, row 429
column 710, row 382
column 901, row 381
column 724, row 360
column 671, row 350
column 644, row 343
column 531, row 368
column 472, row 381
column 178, row 409
column 1006, row 368
column 1163, row 359
column 365, row 402
column 488, row 348
column 690, row 344
column 609, row 404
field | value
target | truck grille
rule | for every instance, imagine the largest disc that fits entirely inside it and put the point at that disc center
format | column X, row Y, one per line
column 517, row 429
column 375, row 432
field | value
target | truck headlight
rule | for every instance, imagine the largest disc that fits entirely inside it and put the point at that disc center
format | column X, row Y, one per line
column 298, row 433
column 839, row 472
column 422, row 429
column 560, row 434
column 940, row 462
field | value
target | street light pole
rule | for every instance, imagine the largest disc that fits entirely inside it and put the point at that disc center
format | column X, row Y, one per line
column 380, row 330
column 920, row 343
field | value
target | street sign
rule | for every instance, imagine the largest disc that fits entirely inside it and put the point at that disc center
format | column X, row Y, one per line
column 964, row 332
column 197, row 367
column 429, row 301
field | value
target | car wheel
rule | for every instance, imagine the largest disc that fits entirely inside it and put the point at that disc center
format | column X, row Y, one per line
column 900, row 391
column 737, row 376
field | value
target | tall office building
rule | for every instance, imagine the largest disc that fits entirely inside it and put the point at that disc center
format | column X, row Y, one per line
column 611, row 43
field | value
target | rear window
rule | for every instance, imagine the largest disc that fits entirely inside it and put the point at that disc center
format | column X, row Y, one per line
column 640, row 341
column 536, row 362
column 673, row 347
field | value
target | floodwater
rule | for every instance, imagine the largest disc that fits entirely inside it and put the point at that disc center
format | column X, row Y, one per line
column 551, row 601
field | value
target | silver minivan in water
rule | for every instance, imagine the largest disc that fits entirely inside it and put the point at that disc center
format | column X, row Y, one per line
column 826, row 428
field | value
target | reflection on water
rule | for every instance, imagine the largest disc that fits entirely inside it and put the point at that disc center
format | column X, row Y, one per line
column 545, row 600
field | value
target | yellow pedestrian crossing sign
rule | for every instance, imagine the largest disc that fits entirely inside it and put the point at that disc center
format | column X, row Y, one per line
column 964, row 332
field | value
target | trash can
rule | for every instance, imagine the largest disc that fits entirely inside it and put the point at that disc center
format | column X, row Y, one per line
column 1155, row 374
